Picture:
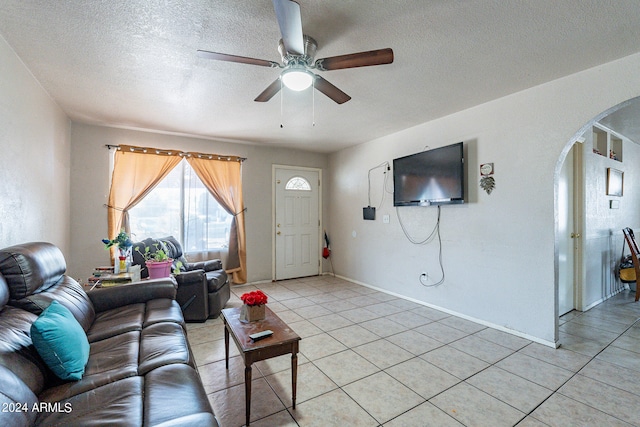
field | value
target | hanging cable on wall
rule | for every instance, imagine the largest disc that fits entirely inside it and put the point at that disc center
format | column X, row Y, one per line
column 387, row 167
column 414, row 240
column 423, row 276
column 435, row 232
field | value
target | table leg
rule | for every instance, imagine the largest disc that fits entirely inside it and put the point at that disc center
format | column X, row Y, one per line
column 226, row 346
column 247, row 391
column 294, row 377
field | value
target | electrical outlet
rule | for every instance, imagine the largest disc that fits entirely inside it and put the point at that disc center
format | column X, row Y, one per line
column 385, row 219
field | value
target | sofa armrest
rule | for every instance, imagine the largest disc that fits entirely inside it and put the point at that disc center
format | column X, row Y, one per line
column 132, row 293
column 192, row 295
column 188, row 277
column 209, row 265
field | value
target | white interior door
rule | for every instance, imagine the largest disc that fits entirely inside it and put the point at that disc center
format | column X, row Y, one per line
column 568, row 235
column 297, row 223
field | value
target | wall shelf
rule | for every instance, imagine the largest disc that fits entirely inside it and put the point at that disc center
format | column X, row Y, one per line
column 607, row 143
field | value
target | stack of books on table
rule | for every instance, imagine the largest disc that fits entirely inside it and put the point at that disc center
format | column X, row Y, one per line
column 105, row 277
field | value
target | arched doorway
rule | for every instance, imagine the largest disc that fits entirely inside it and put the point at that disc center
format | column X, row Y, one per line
column 608, row 142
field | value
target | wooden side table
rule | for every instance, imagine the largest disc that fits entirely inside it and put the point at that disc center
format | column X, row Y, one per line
column 283, row 341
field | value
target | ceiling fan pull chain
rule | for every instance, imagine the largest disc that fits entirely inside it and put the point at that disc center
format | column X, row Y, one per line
column 281, row 96
column 313, row 103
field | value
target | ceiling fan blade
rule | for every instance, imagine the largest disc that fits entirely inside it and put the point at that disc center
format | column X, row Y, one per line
column 269, row 92
column 290, row 22
column 330, row 90
column 234, row 58
column 353, row 60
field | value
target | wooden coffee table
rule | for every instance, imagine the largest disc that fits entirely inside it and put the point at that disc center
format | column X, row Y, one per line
column 283, row 341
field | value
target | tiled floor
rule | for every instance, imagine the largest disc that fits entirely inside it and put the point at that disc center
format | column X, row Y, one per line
column 371, row 359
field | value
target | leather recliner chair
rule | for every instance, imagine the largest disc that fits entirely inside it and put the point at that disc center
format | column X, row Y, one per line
column 203, row 287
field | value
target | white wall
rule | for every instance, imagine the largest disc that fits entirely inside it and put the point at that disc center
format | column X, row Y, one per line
column 34, row 165
column 498, row 250
column 90, row 189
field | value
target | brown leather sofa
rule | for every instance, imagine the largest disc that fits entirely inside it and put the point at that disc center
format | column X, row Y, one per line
column 141, row 370
column 203, row 287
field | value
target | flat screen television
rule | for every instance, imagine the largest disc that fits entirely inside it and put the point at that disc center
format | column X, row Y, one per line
column 433, row 177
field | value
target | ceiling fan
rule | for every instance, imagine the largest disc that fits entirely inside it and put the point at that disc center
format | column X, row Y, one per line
column 298, row 51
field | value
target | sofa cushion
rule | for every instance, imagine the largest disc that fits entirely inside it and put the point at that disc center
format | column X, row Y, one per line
column 30, row 267
column 67, row 292
column 175, row 248
column 163, row 344
column 110, row 360
column 162, row 310
column 61, row 342
column 175, row 252
column 115, row 404
column 208, row 265
column 165, row 386
column 117, row 321
column 134, row 317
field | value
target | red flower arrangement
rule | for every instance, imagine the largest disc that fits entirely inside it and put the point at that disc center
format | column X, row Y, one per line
column 254, row 298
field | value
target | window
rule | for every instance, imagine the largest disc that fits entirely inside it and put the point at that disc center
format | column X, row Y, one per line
column 298, row 183
column 181, row 206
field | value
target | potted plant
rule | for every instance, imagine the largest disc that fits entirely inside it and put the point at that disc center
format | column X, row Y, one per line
column 158, row 262
column 123, row 244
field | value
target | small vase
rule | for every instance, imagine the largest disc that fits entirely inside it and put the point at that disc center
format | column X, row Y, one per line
column 123, row 259
column 251, row 313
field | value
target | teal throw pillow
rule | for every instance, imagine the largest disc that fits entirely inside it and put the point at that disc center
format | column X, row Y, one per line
column 61, row 342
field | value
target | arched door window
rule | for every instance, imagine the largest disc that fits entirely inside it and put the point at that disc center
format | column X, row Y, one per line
column 298, row 183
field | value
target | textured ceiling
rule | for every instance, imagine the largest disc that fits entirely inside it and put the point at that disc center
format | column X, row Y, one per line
column 133, row 63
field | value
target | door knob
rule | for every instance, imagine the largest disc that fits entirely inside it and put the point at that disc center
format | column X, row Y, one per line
column 575, row 235
column 278, row 233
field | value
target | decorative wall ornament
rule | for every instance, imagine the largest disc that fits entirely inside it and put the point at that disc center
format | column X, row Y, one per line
column 487, row 182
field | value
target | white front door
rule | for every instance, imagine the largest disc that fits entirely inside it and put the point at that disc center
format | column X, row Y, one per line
column 297, row 222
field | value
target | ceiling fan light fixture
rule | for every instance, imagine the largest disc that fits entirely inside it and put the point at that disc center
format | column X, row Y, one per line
column 297, row 78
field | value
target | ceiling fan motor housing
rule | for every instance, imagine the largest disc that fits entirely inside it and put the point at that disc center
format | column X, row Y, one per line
column 310, row 47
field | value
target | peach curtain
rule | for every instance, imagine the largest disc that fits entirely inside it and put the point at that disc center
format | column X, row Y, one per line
column 223, row 179
column 135, row 174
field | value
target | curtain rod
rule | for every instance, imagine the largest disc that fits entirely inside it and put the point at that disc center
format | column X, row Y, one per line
column 177, row 153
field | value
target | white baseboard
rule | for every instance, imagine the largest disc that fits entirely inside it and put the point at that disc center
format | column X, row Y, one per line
column 601, row 300
column 454, row 313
